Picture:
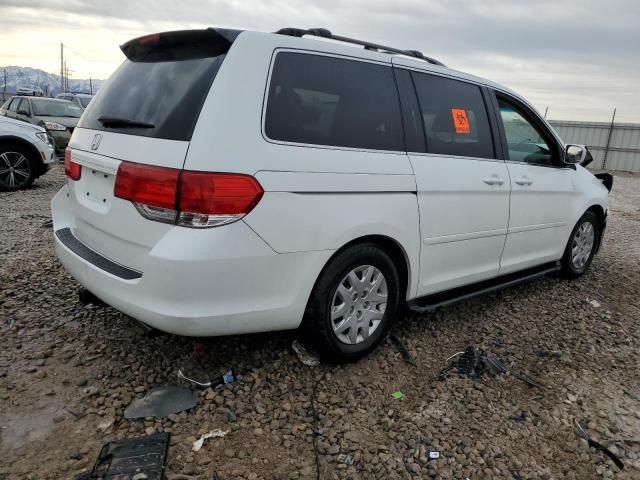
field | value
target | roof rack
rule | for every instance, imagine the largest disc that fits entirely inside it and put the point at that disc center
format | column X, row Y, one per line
column 324, row 33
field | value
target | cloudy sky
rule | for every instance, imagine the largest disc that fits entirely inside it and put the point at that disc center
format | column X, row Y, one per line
column 579, row 58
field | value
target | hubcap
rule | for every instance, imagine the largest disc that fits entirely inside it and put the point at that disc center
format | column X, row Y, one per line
column 358, row 305
column 582, row 245
column 14, row 169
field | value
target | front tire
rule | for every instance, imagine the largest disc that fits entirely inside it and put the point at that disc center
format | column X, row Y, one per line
column 353, row 303
column 581, row 247
column 17, row 168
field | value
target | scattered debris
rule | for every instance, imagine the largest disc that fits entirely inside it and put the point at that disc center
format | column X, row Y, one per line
column 197, row 445
column 402, row 349
column 598, row 446
column 162, row 402
column 47, row 224
column 227, row 377
column 306, row 357
column 106, row 424
column 345, row 458
column 522, row 418
column 474, row 363
column 398, row 395
column 594, row 303
column 9, row 323
column 140, row 458
column 433, row 455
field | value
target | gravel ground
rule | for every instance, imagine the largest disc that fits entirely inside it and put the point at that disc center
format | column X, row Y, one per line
column 68, row 371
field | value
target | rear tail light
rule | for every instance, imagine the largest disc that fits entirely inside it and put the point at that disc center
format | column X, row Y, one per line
column 72, row 169
column 186, row 198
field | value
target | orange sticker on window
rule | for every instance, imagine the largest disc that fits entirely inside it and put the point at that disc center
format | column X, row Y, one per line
column 460, row 121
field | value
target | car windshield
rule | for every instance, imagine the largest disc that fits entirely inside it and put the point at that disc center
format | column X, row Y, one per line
column 47, row 108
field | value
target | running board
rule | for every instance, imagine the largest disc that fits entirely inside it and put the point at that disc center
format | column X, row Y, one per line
column 429, row 303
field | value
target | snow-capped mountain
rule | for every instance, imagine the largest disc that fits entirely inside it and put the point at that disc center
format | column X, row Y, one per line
column 49, row 82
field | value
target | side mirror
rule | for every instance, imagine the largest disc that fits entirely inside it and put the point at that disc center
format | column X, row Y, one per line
column 575, row 154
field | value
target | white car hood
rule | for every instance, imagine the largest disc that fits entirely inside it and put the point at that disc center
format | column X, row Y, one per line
column 20, row 123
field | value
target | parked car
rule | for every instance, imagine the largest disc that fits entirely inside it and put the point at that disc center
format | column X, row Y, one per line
column 25, row 154
column 32, row 90
column 227, row 182
column 80, row 99
column 58, row 117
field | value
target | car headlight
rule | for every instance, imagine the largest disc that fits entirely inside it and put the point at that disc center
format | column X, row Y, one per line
column 55, row 126
column 43, row 136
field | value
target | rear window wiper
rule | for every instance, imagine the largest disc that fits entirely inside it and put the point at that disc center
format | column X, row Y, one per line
column 123, row 122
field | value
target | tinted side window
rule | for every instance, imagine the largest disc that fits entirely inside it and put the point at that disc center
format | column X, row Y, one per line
column 331, row 101
column 525, row 143
column 454, row 115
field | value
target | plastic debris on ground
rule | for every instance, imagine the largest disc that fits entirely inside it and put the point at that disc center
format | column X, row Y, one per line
column 197, row 445
column 140, row 458
column 598, row 446
column 474, row 363
column 162, row 402
column 434, row 455
column 196, row 373
column 345, row 458
column 594, row 303
column 398, row 395
column 306, row 357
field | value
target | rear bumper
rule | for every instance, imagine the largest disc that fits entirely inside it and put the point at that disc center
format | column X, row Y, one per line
column 236, row 285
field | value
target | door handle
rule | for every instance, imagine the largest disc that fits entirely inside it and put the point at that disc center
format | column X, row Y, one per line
column 523, row 181
column 493, row 180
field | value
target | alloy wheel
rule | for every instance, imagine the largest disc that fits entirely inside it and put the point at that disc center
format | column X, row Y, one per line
column 15, row 169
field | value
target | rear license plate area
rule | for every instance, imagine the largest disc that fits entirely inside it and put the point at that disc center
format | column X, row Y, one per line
column 96, row 187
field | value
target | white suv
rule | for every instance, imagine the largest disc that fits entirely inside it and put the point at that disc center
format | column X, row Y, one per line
column 226, row 182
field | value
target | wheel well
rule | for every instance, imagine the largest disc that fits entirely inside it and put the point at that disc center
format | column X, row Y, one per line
column 33, row 151
column 391, row 248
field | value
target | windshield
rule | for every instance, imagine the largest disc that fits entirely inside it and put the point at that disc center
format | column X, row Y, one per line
column 84, row 101
column 47, row 108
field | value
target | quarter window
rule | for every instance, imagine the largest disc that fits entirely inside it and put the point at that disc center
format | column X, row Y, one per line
column 454, row 117
column 13, row 106
column 525, row 143
column 331, row 101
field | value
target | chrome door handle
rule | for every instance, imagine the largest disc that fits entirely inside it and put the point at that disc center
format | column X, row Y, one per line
column 523, row 181
column 493, row 180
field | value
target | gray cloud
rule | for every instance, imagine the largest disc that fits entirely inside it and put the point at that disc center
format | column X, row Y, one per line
column 579, row 57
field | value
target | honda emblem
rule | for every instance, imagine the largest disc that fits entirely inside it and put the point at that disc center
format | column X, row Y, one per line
column 96, row 141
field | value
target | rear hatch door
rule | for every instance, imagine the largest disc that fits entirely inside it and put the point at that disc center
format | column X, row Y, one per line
column 145, row 113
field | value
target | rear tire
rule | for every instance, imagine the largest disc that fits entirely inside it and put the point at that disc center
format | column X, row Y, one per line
column 352, row 304
column 581, row 246
column 17, row 168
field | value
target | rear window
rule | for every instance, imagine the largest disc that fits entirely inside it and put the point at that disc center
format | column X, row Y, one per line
column 161, row 86
column 454, row 117
column 322, row 100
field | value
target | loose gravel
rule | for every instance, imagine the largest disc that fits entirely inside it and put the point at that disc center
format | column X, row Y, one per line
column 67, row 373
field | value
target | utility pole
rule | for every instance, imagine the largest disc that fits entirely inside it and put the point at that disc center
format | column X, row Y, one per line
column 545, row 112
column 62, row 67
column 606, row 149
column 4, row 91
column 90, row 86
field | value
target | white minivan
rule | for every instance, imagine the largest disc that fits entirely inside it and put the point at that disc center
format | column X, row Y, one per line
column 226, row 182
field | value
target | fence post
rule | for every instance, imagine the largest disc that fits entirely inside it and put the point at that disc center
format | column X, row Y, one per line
column 606, row 148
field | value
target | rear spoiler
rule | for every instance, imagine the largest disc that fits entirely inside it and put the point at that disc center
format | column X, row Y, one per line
column 180, row 45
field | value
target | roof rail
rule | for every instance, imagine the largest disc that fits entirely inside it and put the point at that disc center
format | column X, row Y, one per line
column 324, row 33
